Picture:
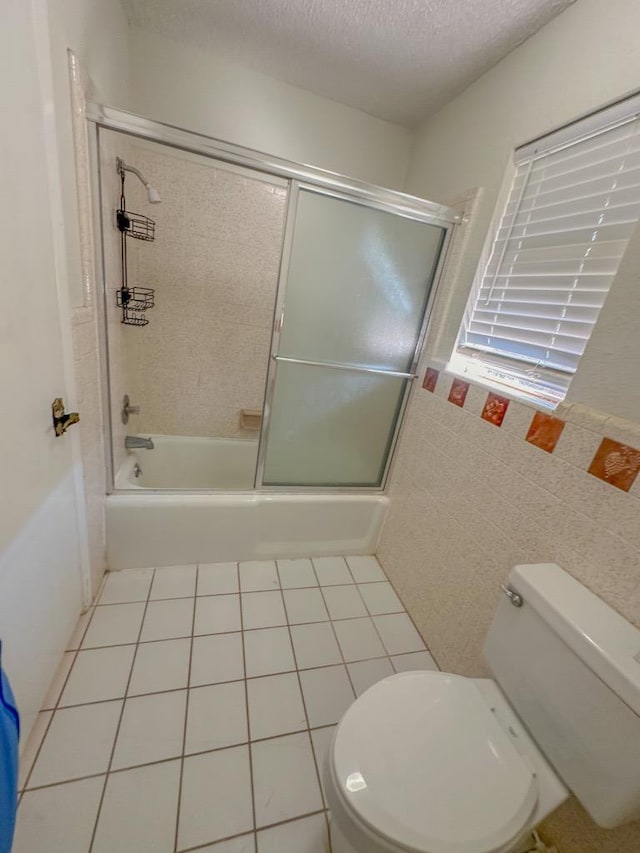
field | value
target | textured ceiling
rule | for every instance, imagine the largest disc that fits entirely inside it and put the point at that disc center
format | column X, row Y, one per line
column 396, row 59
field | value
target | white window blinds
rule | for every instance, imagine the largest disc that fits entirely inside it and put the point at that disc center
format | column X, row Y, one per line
column 571, row 210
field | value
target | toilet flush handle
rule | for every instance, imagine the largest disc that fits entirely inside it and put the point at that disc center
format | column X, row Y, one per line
column 514, row 597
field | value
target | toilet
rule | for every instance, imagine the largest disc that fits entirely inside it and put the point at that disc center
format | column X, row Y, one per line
column 430, row 762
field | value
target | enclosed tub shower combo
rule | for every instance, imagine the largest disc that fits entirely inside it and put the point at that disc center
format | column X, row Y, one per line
column 263, row 325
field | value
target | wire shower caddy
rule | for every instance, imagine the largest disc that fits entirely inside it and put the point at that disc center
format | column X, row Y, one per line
column 133, row 301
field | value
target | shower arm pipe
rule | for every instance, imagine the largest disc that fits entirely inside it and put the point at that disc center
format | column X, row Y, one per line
column 121, row 167
column 339, row 366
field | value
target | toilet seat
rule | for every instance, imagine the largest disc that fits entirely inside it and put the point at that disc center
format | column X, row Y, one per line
column 421, row 761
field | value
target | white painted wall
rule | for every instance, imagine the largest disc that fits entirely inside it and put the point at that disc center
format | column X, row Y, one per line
column 198, row 91
column 583, row 59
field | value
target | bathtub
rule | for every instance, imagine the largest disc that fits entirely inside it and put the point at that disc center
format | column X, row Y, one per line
column 190, row 462
column 151, row 529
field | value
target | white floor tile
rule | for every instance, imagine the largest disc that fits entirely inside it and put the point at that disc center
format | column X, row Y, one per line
column 167, row 620
column 308, row 835
column 98, row 674
column 216, row 658
column 151, row 729
column 368, row 672
column 216, row 797
column 275, row 764
column 259, row 575
column 365, row 569
column 321, row 739
column 128, row 585
column 268, row 651
column 115, row 625
column 305, row 605
column 358, row 639
column 296, row 573
column 217, row 578
column 174, row 582
column 344, row 602
column 398, row 634
column 327, row 694
column 217, row 614
column 217, row 717
column 30, row 750
column 58, row 681
column 139, row 810
column 78, row 632
column 331, row 571
column 262, row 610
column 59, row 819
column 78, row 743
column 315, row 645
column 413, row 661
column 380, row 598
column 275, row 705
column 160, row 666
column 242, row 844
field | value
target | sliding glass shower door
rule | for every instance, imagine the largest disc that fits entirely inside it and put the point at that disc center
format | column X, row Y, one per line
column 352, row 307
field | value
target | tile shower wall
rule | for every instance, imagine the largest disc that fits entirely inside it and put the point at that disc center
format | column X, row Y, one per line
column 470, row 499
column 214, row 266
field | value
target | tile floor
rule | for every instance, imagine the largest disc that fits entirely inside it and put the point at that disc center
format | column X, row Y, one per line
column 195, row 705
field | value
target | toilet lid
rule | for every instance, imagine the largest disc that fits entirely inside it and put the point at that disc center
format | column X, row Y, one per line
column 421, row 760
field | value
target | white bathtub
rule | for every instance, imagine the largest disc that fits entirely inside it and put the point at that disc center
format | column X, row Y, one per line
column 149, row 529
column 191, row 462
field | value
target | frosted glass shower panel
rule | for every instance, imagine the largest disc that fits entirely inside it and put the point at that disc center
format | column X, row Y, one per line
column 358, row 282
column 330, row 427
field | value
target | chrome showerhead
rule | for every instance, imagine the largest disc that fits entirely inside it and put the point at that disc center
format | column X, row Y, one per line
column 152, row 193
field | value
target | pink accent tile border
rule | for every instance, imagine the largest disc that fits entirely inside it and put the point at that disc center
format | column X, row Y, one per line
column 616, row 464
column 544, row 432
column 430, row 379
column 458, row 392
column 495, row 409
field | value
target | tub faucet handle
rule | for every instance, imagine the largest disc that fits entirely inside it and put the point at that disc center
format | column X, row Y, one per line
column 128, row 409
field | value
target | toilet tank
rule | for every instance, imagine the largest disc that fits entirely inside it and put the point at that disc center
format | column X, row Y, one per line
column 570, row 667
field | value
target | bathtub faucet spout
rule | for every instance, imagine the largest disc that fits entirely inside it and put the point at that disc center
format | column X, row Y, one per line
column 134, row 442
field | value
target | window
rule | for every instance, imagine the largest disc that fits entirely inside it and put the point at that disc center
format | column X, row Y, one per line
column 572, row 207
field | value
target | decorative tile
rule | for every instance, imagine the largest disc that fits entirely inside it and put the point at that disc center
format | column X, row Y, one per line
column 458, row 392
column 430, row 379
column 544, row 432
column 495, row 409
column 616, row 464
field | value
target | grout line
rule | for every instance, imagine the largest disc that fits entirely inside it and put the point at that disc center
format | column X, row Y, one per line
column 124, row 702
column 186, row 710
column 304, row 705
column 75, row 653
column 248, row 723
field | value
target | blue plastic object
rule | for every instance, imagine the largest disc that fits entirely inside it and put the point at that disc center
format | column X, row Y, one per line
column 9, row 737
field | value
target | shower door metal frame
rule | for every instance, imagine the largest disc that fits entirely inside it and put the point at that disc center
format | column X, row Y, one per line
column 300, row 177
column 279, row 314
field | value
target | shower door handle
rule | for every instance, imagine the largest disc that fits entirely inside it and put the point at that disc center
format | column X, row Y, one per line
column 334, row 365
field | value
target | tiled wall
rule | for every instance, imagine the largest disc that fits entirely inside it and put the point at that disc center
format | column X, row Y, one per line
column 471, row 498
column 214, row 266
